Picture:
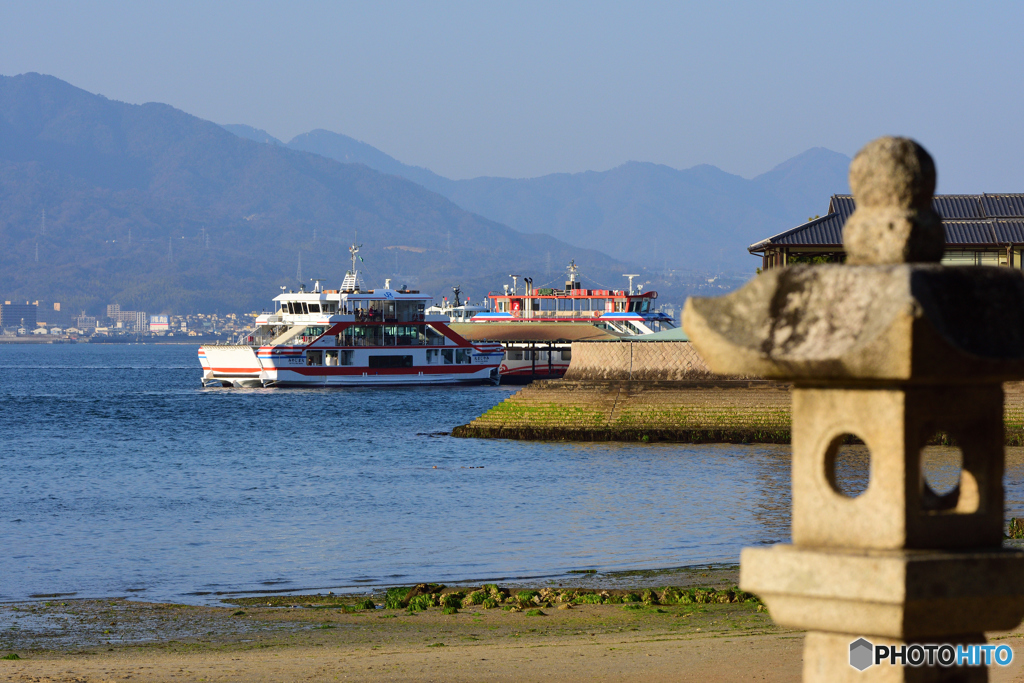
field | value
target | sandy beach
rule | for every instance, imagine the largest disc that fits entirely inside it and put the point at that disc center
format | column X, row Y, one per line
column 333, row 638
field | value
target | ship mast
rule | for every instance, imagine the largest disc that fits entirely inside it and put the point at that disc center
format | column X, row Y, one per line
column 573, row 268
column 353, row 281
column 631, row 276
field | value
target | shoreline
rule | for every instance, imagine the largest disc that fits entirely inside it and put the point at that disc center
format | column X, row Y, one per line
column 528, row 635
column 326, row 638
column 718, row 574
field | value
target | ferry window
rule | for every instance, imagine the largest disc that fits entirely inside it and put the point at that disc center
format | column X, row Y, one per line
column 597, row 305
column 433, row 356
column 314, row 357
column 434, row 338
column 584, row 304
column 620, row 306
column 314, row 308
column 542, row 356
column 315, row 331
column 332, row 358
column 363, row 335
column 390, row 361
column 347, row 357
column 409, row 311
column 409, row 335
column 535, row 304
column 447, row 355
column 634, row 306
column 514, row 354
column 647, row 306
column 547, row 304
column 527, row 354
column 566, row 354
column 463, row 356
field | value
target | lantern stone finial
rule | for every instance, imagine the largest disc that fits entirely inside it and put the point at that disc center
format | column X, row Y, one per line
column 893, row 180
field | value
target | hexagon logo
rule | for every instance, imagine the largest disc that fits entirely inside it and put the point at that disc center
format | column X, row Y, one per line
column 861, row 654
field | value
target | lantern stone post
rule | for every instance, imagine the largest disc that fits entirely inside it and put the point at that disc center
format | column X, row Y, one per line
column 891, row 348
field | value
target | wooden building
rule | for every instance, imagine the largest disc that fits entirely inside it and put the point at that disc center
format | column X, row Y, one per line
column 981, row 229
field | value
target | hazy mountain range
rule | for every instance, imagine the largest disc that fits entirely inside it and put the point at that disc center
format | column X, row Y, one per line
column 156, row 209
column 699, row 218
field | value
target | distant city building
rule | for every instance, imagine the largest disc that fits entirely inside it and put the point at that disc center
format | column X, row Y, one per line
column 85, row 322
column 18, row 315
column 139, row 321
column 57, row 316
column 159, row 323
column 136, row 321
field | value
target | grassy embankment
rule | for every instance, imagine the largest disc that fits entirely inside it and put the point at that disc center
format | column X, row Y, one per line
column 686, row 412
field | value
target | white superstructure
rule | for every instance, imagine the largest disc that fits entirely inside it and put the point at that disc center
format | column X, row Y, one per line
column 350, row 337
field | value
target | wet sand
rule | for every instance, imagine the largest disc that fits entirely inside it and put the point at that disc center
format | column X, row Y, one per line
column 324, row 638
column 589, row 642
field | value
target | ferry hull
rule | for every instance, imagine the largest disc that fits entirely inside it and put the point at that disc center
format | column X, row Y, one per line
column 230, row 366
column 243, row 367
column 291, row 378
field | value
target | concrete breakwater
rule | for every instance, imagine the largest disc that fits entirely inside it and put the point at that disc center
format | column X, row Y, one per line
column 658, row 391
column 640, row 391
column 624, row 410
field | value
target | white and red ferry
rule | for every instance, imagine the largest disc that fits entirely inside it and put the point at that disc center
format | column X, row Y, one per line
column 617, row 310
column 350, row 337
column 543, row 322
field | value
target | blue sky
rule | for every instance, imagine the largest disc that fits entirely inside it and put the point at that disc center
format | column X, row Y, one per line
column 523, row 89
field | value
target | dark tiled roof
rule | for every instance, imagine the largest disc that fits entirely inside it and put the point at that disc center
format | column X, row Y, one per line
column 969, row 232
column 842, row 204
column 1003, row 205
column 957, row 206
column 990, row 219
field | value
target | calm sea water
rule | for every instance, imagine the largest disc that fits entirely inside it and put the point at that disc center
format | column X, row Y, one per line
column 122, row 476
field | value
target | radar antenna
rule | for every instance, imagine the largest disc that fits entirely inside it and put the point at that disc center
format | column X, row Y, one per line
column 353, row 281
column 573, row 269
column 631, row 276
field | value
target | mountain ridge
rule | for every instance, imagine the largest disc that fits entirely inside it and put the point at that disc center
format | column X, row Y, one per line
column 158, row 210
column 700, row 218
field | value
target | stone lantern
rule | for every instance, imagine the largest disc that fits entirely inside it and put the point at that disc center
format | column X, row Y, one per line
column 890, row 348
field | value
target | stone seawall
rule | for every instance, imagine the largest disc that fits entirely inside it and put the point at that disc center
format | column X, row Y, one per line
column 623, row 410
column 644, row 361
column 658, row 391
